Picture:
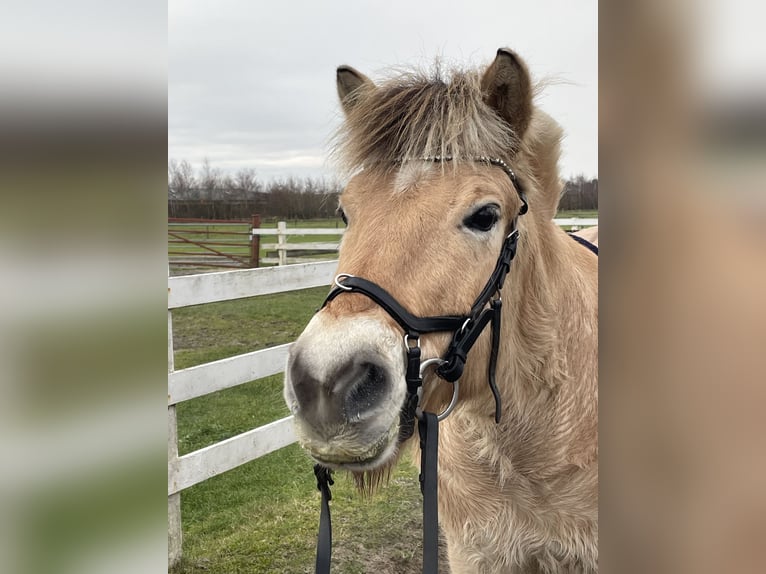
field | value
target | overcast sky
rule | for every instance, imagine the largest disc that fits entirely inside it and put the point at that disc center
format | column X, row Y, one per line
column 252, row 84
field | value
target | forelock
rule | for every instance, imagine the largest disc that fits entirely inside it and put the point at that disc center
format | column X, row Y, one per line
column 417, row 115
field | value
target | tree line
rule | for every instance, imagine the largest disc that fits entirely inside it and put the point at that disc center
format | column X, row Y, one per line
column 579, row 193
column 209, row 193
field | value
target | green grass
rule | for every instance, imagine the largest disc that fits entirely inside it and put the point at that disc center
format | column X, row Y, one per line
column 263, row 516
column 332, row 222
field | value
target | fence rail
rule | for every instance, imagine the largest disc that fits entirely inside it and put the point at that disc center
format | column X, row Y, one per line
column 575, row 223
column 188, row 290
column 211, row 377
column 217, row 458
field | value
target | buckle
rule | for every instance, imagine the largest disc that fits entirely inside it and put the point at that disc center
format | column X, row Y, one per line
column 340, row 276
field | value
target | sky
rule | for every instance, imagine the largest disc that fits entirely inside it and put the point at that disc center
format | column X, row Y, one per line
column 252, row 84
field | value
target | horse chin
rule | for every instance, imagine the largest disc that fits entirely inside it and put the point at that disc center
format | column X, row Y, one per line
column 342, row 454
column 383, row 459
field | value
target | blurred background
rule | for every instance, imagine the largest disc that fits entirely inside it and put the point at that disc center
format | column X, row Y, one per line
column 82, row 171
column 682, row 136
column 83, row 259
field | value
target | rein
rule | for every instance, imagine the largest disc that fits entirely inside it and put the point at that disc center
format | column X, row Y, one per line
column 466, row 329
column 585, row 243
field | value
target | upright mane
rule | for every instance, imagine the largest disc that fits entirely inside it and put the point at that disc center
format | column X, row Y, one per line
column 421, row 114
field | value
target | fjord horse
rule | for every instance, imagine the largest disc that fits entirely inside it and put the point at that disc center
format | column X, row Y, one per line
column 427, row 216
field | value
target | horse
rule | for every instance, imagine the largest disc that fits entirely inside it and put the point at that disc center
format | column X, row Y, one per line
column 429, row 205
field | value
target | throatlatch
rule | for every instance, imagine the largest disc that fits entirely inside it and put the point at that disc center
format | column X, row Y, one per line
column 466, row 329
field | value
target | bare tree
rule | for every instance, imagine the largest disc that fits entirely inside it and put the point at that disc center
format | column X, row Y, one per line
column 246, row 182
column 210, row 180
column 579, row 193
column 209, row 193
column 181, row 179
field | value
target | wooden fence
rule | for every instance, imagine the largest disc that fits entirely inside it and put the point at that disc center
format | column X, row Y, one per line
column 576, row 223
column 213, row 242
column 194, row 467
column 183, row 385
column 237, row 244
column 282, row 247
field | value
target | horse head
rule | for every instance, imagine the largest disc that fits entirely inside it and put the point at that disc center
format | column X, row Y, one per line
column 428, row 231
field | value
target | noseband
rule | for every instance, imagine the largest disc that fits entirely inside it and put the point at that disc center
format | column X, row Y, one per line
column 486, row 309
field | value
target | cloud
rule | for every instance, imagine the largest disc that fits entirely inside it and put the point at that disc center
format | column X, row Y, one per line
column 253, row 85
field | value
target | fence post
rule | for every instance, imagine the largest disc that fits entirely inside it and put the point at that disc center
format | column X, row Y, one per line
column 255, row 242
column 174, row 500
column 281, row 242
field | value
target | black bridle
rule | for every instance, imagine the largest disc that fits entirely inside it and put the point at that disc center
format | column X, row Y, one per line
column 466, row 329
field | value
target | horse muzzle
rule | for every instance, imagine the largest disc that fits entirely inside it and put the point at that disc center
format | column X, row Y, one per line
column 344, row 383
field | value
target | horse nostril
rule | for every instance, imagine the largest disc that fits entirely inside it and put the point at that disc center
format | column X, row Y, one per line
column 344, row 395
column 368, row 390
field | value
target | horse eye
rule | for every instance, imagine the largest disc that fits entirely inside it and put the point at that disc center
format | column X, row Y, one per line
column 342, row 215
column 483, row 219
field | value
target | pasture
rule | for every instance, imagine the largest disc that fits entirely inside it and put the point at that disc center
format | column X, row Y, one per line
column 263, row 516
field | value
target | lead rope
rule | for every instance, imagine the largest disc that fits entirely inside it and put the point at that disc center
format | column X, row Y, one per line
column 324, row 540
column 428, row 428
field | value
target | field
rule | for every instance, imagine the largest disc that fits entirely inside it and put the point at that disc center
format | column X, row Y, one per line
column 263, row 516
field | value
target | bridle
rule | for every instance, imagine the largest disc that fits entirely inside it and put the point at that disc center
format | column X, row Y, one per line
column 486, row 310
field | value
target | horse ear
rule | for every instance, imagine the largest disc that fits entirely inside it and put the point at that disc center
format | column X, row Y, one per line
column 507, row 89
column 350, row 83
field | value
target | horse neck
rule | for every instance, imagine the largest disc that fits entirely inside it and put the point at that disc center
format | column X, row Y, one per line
column 532, row 302
column 540, row 383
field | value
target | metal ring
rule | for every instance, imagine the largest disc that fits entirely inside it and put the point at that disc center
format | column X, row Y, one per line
column 339, row 284
column 465, row 324
column 428, row 362
column 407, row 341
column 446, row 412
column 455, row 388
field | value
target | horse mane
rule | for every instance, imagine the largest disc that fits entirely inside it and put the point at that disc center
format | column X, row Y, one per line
column 421, row 114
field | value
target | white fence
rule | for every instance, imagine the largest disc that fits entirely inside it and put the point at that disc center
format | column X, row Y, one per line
column 282, row 246
column 189, row 469
column 576, row 223
column 185, row 291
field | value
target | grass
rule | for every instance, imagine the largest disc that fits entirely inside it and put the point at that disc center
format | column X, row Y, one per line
column 263, row 516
